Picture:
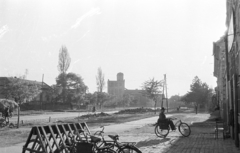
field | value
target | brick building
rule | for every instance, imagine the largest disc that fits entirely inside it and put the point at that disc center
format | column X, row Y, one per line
column 117, row 87
column 227, row 71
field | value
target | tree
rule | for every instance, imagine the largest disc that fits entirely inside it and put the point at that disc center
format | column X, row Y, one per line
column 74, row 86
column 175, row 102
column 152, row 90
column 100, row 79
column 127, row 99
column 199, row 94
column 101, row 98
column 64, row 60
column 111, row 101
column 63, row 65
column 21, row 91
column 100, row 86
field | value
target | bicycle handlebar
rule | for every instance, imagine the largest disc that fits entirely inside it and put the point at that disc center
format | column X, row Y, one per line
column 100, row 132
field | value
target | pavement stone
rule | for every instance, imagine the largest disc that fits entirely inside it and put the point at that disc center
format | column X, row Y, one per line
column 200, row 141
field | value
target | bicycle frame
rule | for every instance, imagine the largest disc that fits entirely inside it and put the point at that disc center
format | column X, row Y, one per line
column 177, row 123
column 113, row 143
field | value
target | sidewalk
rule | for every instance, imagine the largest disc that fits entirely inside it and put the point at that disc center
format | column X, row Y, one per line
column 201, row 139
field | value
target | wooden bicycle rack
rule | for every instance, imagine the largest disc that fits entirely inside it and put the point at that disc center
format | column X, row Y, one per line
column 54, row 138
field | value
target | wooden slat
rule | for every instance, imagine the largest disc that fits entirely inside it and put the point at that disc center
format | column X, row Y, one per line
column 41, row 140
column 85, row 124
column 29, row 138
column 54, row 138
column 60, row 136
column 66, row 134
column 75, row 128
column 48, row 142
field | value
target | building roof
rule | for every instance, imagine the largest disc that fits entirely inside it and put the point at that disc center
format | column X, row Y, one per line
column 5, row 80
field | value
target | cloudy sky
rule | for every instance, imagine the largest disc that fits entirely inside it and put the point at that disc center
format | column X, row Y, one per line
column 140, row 38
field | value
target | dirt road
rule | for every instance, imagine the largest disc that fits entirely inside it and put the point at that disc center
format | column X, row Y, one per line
column 142, row 132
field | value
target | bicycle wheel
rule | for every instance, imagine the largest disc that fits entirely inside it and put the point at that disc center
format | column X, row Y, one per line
column 106, row 151
column 129, row 149
column 184, row 129
column 161, row 132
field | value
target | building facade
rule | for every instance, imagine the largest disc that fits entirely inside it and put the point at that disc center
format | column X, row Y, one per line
column 227, row 71
column 220, row 74
column 117, row 87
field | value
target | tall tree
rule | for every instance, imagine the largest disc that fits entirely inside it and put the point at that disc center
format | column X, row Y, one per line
column 199, row 94
column 63, row 65
column 100, row 79
column 152, row 90
column 64, row 60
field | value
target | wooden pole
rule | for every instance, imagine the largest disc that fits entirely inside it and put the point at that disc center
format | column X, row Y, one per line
column 18, row 116
column 42, row 93
column 165, row 78
column 162, row 96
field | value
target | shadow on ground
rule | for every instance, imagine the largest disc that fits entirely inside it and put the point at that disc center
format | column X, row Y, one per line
column 151, row 142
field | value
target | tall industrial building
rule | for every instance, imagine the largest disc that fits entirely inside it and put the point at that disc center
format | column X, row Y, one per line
column 117, row 87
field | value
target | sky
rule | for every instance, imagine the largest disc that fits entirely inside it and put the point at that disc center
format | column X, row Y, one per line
column 143, row 39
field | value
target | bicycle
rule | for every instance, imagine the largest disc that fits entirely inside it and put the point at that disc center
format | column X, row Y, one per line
column 88, row 143
column 162, row 129
column 5, row 123
column 123, row 147
column 72, row 146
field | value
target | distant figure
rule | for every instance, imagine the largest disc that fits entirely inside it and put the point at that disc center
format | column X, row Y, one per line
column 216, row 108
column 196, row 109
column 6, row 112
column 94, row 110
column 162, row 119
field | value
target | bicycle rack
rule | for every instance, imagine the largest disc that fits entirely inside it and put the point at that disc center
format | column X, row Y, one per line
column 54, row 138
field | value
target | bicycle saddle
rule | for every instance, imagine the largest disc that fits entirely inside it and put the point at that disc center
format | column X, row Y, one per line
column 114, row 137
column 95, row 139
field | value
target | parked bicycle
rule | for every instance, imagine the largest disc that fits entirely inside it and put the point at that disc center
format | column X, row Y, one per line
column 162, row 129
column 72, row 146
column 4, row 123
column 118, row 147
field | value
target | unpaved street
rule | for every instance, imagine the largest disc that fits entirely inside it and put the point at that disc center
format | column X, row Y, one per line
column 142, row 132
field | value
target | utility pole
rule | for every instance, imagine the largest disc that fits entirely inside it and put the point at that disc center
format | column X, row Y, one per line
column 165, row 81
column 41, row 97
column 162, row 96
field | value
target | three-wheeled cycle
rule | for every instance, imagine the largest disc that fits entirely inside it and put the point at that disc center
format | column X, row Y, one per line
column 162, row 129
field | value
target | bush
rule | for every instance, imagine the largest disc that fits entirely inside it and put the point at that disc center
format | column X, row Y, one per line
column 136, row 110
